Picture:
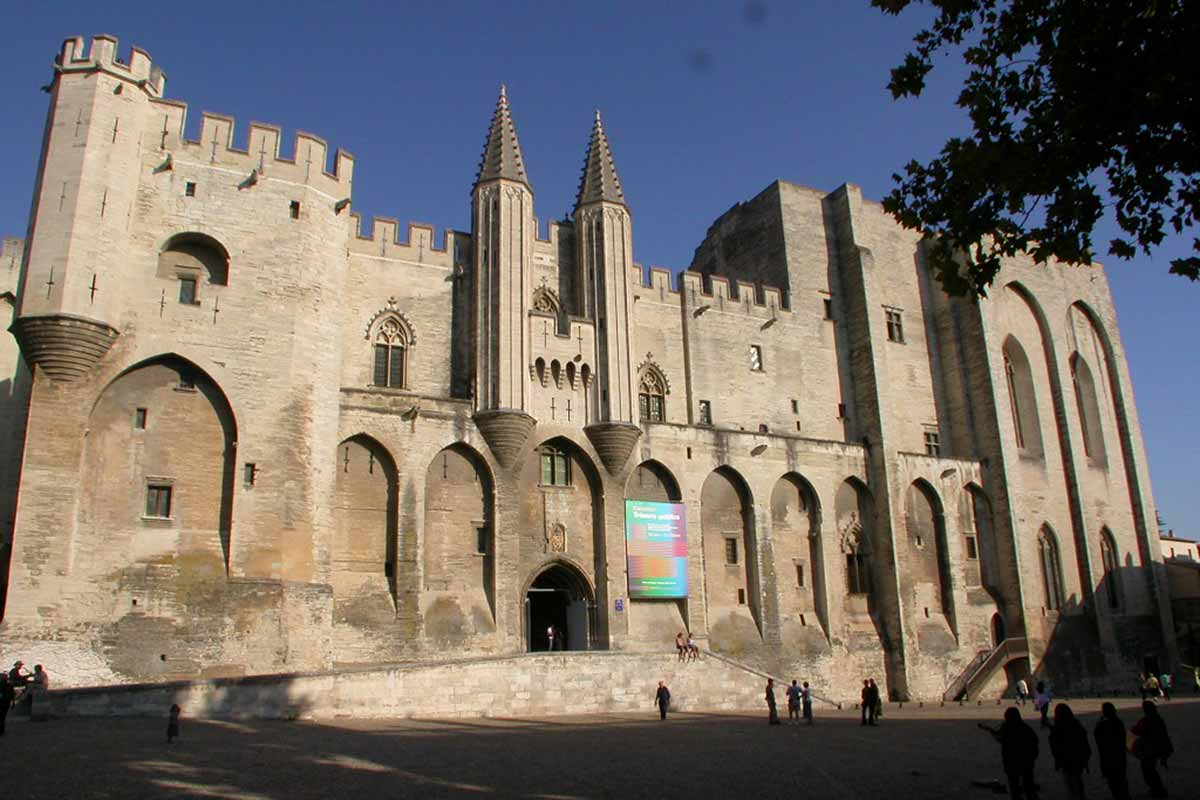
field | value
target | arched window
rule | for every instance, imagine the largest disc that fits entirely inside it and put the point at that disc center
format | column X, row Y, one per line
column 652, row 406
column 1021, row 398
column 1108, row 555
column 391, row 351
column 1052, row 581
column 1087, row 407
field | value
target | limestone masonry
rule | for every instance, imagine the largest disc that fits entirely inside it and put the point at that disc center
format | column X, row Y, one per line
column 245, row 436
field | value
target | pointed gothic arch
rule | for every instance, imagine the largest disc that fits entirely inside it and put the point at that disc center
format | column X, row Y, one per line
column 1111, row 564
column 653, row 389
column 1050, row 560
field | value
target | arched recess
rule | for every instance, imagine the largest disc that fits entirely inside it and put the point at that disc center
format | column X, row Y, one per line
column 365, row 511
column 979, row 540
column 928, row 558
column 1053, row 591
column 559, row 596
column 1022, row 398
column 157, row 479
column 459, row 552
column 194, row 256
column 563, row 518
column 1087, row 408
column 854, row 517
column 1111, row 579
column 796, row 543
column 650, row 480
column 730, row 560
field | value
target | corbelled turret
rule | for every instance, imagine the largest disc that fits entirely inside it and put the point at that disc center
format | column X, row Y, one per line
column 604, row 256
column 503, row 228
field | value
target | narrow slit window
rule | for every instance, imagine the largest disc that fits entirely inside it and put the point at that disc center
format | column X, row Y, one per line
column 481, row 540
column 895, row 325
column 828, row 308
column 731, row 551
column 705, row 412
column 294, row 209
column 756, row 359
column 189, row 189
column 139, row 419
column 800, row 576
column 249, row 473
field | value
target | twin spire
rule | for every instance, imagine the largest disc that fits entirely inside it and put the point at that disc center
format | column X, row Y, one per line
column 502, row 159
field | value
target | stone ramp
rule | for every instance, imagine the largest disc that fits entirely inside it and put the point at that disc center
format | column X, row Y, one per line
column 535, row 684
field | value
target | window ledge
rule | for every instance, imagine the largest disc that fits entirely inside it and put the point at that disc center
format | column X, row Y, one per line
column 160, row 521
column 555, row 488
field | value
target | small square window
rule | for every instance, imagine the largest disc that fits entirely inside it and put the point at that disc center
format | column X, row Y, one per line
column 481, row 540
column 828, row 308
column 895, row 325
column 187, row 291
column 139, row 419
column 933, row 443
column 158, row 501
column 731, row 551
column 741, row 597
column 705, row 412
column 189, row 189
column 972, row 548
column 294, row 209
column 249, row 473
column 187, row 382
column 756, row 360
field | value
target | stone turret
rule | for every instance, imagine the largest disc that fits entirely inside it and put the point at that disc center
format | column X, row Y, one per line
column 503, row 229
column 604, row 256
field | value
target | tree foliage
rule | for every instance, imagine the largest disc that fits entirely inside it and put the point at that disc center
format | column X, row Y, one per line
column 1077, row 107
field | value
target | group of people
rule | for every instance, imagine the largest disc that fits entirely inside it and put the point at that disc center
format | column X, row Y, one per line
column 871, row 702
column 1152, row 685
column 799, row 700
column 686, row 647
column 1041, row 698
column 1071, row 751
column 18, row 685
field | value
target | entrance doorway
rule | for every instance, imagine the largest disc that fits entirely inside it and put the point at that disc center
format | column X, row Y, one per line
column 559, row 599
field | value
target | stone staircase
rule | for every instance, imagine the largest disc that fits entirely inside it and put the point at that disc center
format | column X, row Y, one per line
column 985, row 663
column 533, row 684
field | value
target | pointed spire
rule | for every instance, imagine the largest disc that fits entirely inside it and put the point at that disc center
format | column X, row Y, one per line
column 502, row 151
column 599, row 180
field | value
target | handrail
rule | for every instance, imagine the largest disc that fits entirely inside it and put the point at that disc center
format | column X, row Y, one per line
column 754, row 671
column 1008, row 649
column 959, row 685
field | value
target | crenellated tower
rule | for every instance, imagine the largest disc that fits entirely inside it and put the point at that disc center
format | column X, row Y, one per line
column 87, row 182
column 503, row 229
column 604, row 258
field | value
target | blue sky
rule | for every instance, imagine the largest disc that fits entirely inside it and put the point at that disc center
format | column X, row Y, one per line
column 704, row 103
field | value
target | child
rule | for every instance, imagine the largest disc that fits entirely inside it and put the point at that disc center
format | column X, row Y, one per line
column 173, row 723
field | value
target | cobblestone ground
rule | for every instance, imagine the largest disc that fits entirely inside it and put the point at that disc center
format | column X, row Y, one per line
column 914, row 753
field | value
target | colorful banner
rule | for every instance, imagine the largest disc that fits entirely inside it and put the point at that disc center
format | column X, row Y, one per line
column 656, row 546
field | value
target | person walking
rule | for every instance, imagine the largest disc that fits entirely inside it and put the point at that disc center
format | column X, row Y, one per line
column 663, row 699
column 1152, row 687
column 1042, row 701
column 806, row 704
column 793, row 698
column 1110, row 751
column 772, row 712
column 1018, row 754
column 1152, row 745
column 7, row 694
column 865, row 700
column 1022, row 691
column 1165, row 683
column 876, row 703
column 1070, row 748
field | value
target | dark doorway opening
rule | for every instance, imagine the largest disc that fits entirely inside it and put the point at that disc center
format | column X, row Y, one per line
column 559, row 600
column 997, row 630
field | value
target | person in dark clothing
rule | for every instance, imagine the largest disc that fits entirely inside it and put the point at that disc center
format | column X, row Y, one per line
column 1152, row 745
column 1070, row 748
column 1110, row 751
column 173, row 723
column 663, row 698
column 806, row 703
column 7, row 693
column 873, row 702
column 1018, row 754
column 877, row 706
column 772, row 712
column 866, row 701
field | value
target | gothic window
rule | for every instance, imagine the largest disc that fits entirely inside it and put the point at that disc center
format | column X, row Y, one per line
column 1052, row 580
column 652, row 396
column 858, row 563
column 1108, row 555
column 556, row 467
column 391, row 350
column 545, row 301
column 1087, row 407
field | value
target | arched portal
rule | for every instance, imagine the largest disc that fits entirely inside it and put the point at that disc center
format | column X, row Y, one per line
column 560, row 609
column 365, row 512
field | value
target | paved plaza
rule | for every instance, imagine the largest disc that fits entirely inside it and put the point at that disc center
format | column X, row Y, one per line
column 914, row 753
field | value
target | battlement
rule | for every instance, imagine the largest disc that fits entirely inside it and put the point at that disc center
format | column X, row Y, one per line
column 419, row 247
column 308, row 165
column 725, row 295
column 102, row 55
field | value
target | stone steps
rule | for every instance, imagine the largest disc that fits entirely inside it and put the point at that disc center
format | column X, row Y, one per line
column 535, row 684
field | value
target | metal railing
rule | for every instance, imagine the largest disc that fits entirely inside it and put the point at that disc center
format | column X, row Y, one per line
column 980, row 669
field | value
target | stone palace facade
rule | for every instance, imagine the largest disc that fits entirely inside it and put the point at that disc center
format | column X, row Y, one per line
column 247, row 436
